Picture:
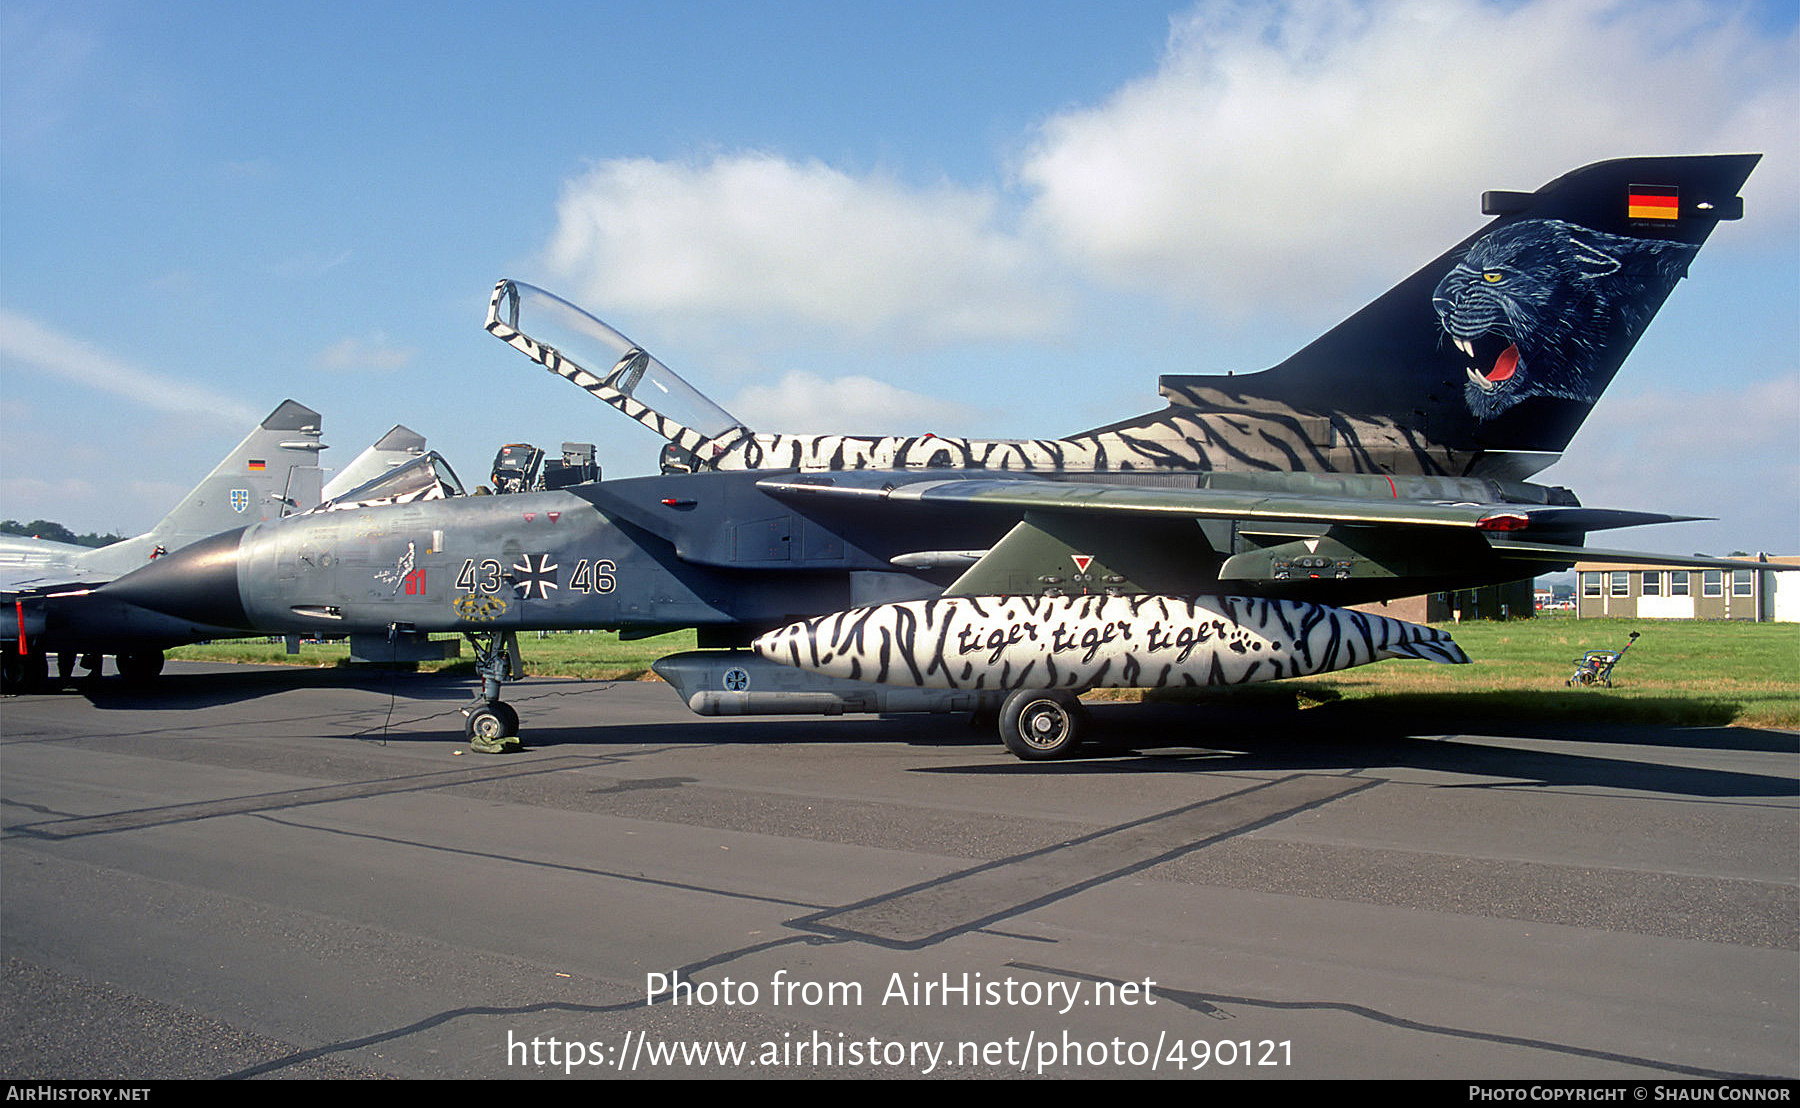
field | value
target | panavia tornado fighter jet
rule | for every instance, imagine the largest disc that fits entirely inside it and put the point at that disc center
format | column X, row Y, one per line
column 1214, row 541
column 49, row 603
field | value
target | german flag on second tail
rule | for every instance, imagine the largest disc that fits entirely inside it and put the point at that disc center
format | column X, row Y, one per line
column 1653, row 202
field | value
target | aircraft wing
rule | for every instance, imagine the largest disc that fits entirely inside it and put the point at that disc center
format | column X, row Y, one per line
column 1251, row 506
column 1337, row 540
column 28, row 565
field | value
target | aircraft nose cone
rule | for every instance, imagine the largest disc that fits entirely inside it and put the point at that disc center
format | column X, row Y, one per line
column 198, row 583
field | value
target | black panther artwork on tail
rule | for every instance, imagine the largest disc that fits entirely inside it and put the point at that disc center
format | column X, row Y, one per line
column 1535, row 305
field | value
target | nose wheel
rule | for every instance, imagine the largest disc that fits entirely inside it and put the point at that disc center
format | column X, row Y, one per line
column 491, row 727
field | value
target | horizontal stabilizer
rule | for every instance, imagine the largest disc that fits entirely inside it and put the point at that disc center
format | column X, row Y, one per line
column 1558, row 552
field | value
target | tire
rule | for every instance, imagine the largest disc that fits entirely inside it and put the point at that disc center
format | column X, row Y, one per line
column 491, row 728
column 1040, row 724
column 509, row 716
column 23, row 673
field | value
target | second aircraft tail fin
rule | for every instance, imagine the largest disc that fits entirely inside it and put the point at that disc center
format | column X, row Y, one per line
column 273, row 472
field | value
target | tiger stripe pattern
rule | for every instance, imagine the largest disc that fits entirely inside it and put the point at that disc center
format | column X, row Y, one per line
column 1202, row 429
column 1176, row 440
column 1085, row 642
column 552, row 359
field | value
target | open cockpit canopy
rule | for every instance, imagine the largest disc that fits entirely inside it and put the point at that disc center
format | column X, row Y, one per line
column 573, row 344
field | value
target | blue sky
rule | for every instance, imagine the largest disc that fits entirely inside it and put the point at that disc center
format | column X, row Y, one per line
column 1000, row 219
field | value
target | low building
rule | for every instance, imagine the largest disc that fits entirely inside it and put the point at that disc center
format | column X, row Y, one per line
column 1509, row 601
column 1651, row 591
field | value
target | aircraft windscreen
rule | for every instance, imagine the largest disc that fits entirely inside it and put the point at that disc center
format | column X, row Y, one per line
column 617, row 361
column 427, row 477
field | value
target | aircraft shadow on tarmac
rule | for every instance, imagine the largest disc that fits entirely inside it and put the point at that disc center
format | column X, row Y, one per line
column 1229, row 741
column 213, row 686
column 1260, row 733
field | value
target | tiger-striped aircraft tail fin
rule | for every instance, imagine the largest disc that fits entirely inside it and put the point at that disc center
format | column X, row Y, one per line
column 1486, row 361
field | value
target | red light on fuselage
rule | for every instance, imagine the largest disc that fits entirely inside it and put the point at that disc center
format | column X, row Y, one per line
column 1503, row 521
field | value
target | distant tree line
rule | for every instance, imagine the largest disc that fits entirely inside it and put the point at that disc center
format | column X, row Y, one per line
column 55, row 532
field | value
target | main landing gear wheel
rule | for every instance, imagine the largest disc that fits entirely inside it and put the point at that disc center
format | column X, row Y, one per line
column 140, row 668
column 1040, row 724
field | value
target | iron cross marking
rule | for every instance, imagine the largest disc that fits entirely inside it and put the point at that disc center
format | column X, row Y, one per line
column 535, row 577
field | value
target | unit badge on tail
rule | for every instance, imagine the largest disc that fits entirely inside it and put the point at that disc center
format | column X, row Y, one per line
column 1533, row 306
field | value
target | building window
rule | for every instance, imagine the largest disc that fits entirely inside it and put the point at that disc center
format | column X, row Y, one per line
column 1590, row 583
column 1741, row 582
column 1652, row 582
column 1712, row 582
column 1678, row 582
column 1621, row 583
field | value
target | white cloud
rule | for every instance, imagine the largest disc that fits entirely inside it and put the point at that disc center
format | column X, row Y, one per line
column 1285, row 157
column 28, row 342
column 804, row 403
column 1662, row 450
column 357, row 353
column 749, row 235
column 1295, row 151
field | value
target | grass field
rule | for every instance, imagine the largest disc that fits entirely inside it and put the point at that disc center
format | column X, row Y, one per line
column 1679, row 672
column 591, row 655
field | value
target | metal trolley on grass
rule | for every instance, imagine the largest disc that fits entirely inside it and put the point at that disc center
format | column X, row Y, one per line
column 1596, row 666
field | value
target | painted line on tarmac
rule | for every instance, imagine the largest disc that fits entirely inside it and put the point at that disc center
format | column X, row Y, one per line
column 289, row 798
column 928, row 913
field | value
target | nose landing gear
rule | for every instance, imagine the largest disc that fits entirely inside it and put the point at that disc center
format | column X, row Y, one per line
column 492, row 725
